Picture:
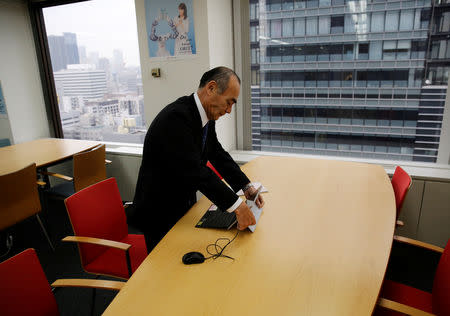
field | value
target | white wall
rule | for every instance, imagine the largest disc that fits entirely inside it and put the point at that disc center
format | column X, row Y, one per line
column 178, row 77
column 19, row 74
column 220, row 36
column 213, row 37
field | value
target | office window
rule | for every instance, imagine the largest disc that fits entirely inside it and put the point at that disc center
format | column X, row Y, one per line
column 275, row 28
column 389, row 50
column 97, row 76
column 288, row 27
column 324, row 3
column 299, row 4
column 348, row 51
column 287, row 5
column 312, row 3
column 377, row 24
column 273, row 5
column 337, row 24
column 349, row 23
column 337, row 2
column 253, row 37
column 299, row 27
column 311, row 26
column 324, row 25
column 406, row 20
column 403, row 49
column 418, row 49
column 425, row 15
column 442, row 22
column 392, row 19
column 363, row 51
column 312, row 101
column 254, row 10
column 375, row 50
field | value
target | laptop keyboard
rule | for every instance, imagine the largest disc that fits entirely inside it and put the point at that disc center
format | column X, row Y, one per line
column 217, row 219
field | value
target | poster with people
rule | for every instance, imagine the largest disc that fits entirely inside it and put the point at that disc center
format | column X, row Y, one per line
column 170, row 28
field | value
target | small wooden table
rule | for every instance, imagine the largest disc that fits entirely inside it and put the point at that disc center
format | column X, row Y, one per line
column 43, row 152
column 321, row 247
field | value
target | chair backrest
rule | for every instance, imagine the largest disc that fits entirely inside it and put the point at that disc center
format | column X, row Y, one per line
column 24, row 289
column 97, row 211
column 19, row 196
column 441, row 284
column 89, row 167
column 401, row 182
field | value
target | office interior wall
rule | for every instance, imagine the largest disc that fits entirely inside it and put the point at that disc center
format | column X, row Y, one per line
column 178, row 76
column 220, row 37
column 212, row 21
column 19, row 74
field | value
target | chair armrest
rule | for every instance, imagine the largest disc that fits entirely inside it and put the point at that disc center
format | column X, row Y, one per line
column 56, row 175
column 417, row 243
column 98, row 241
column 89, row 283
column 399, row 223
column 41, row 183
column 107, row 162
column 401, row 308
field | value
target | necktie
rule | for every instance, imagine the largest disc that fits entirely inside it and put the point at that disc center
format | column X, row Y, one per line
column 205, row 134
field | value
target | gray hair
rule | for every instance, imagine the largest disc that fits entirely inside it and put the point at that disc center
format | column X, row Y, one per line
column 221, row 75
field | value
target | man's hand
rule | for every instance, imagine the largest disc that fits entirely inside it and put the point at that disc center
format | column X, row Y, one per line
column 250, row 194
column 244, row 216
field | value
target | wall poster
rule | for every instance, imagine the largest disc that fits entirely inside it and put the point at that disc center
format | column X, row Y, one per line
column 170, row 29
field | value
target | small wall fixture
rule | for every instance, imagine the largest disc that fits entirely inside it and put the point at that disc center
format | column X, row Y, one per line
column 156, row 72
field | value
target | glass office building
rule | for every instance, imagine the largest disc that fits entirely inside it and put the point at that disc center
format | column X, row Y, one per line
column 349, row 78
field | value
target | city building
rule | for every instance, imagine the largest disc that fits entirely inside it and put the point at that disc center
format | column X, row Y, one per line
column 70, row 40
column 63, row 50
column 349, row 78
column 83, row 82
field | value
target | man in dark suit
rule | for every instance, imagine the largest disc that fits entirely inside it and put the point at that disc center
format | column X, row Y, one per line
column 178, row 144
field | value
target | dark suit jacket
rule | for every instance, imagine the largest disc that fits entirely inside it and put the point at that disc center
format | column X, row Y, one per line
column 174, row 168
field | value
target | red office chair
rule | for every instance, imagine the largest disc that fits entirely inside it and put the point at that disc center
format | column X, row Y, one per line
column 208, row 164
column 399, row 299
column 24, row 289
column 401, row 182
column 99, row 223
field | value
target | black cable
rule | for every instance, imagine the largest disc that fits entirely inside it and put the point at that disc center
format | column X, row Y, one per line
column 219, row 249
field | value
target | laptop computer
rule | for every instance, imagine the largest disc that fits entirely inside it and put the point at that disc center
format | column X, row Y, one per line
column 217, row 218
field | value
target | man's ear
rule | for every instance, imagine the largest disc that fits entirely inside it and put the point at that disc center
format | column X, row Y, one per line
column 211, row 87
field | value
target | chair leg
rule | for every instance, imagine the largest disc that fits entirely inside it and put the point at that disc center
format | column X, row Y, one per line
column 45, row 232
column 93, row 298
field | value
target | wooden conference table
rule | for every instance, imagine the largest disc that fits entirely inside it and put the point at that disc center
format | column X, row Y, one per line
column 44, row 152
column 320, row 248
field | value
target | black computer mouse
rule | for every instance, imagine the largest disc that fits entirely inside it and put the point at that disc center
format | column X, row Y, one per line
column 193, row 257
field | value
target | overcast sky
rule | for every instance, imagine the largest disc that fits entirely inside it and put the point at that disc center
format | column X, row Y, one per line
column 100, row 25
